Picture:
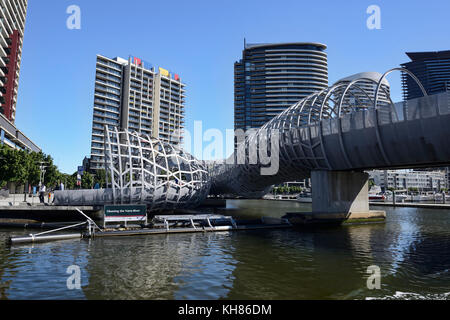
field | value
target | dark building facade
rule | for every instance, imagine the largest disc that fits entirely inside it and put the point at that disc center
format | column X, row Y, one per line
column 431, row 68
column 272, row 77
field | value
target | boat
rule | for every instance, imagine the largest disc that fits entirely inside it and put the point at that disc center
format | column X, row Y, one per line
column 399, row 197
column 438, row 197
column 305, row 197
column 423, row 197
column 376, row 195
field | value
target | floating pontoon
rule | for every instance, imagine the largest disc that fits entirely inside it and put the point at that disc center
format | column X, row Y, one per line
column 160, row 224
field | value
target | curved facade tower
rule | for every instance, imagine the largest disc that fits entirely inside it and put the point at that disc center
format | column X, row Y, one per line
column 272, row 77
column 367, row 85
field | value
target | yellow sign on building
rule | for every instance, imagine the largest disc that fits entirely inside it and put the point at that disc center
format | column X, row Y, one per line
column 164, row 72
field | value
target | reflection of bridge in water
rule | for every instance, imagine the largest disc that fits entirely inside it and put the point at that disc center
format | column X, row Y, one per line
column 332, row 135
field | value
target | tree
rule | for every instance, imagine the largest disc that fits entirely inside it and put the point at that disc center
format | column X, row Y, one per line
column 33, row 167
column 100, row 177
column 52, row 175
column 13, row 165
column 87, row 181
column 70, row 181
column 20, row 166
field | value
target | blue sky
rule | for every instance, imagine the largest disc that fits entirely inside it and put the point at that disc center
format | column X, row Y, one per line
column 200, row 40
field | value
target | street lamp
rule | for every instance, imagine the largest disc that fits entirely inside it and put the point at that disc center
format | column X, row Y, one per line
column 42, row 168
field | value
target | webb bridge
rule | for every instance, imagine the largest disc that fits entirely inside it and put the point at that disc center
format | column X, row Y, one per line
column 332, row 136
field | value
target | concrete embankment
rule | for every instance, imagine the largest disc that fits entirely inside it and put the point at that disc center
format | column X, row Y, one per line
column 46, row 213
column 22, row 213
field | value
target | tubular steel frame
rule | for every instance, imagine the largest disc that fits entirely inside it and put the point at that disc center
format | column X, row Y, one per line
column 300, row 130
column 142, row 169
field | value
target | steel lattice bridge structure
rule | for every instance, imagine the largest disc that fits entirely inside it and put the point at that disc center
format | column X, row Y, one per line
column 333, row 136
column 343, row 128
column 144, row 170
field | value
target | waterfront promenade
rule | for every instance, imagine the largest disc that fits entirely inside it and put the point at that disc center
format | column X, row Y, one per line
column 14, row 210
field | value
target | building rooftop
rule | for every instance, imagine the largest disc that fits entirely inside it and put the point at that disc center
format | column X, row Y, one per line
column 261, row 45
column 417, row 56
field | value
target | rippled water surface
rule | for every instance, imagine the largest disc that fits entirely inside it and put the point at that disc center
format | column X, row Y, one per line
column 412, row 250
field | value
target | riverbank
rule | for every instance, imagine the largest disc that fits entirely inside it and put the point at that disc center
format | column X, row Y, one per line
column 37, row 213
column 412, row 205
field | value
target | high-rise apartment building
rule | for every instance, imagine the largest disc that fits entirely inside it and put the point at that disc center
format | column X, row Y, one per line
column 12, row 26
column 12, row 18
column 130, row 94
column 431, row 68
column 272, row 77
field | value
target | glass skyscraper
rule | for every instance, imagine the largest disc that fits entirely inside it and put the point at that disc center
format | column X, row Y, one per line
column 431, row 68
column 272, row 77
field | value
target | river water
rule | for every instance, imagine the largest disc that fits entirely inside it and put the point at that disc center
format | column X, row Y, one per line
column 412, row 250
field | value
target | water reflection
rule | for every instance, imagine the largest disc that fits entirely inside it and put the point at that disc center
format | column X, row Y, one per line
column 40, row 271
column 183, row 266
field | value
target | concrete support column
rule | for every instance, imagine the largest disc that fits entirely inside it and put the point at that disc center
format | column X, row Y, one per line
column 339, row 197
column 338, row 194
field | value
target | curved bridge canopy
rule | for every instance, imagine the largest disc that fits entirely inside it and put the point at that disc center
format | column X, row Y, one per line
column 341, row 128
column 144, row 170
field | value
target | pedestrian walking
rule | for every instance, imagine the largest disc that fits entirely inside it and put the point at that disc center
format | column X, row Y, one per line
column 42, row 190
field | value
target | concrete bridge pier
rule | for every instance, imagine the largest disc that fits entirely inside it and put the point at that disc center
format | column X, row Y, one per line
column 339, row 197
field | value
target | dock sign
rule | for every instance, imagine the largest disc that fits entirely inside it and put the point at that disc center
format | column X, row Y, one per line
column 125, row 213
